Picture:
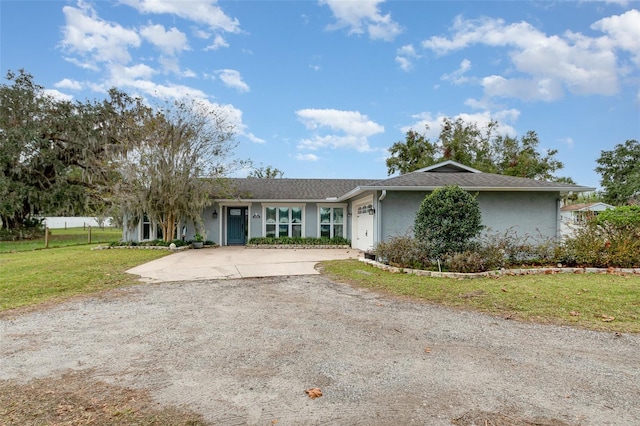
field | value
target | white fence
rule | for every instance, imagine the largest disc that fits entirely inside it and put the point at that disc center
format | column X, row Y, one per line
column 60, row 222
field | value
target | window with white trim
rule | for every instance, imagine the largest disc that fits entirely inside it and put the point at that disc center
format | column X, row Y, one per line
column 283, row 221
column 331, row 222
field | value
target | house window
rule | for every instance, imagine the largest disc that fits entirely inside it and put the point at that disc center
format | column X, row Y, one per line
column 283, row 221
column 146, row 228
column 331, row 222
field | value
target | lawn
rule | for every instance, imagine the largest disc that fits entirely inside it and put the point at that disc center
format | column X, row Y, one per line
column 606, row 302
column 64, row 238
column 31, row 277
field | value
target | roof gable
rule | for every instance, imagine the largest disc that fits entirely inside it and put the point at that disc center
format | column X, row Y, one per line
column 448, row 166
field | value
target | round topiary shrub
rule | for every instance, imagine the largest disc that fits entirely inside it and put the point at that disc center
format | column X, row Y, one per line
column 448, row 221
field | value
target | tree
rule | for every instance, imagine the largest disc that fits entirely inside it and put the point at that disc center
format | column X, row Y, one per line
column 268, row 172
column 51, row 151
column 172, row 169
column 482, row 149
column 620, row 173
column 447, row 221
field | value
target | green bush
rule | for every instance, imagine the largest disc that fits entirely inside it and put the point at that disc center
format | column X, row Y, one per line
column 29, row 230
column 468, row 261
column 402, row 251
column 602, row 243
column 448, row 221
column 151, row 243
column 302, row 241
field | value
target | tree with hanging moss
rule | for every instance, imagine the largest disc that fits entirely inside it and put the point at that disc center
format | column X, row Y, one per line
column 448, row 221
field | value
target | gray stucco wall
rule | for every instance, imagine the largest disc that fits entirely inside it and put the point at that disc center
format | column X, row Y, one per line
column 532, row 214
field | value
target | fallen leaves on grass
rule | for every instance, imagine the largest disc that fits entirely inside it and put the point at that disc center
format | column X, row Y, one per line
column 313, row 393
column 76, row 398
column 607, row 318
column 574, row 313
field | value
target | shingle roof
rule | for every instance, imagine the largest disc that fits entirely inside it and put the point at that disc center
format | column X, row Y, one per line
column 294, row 189
column 472, row 181
column 427, row 179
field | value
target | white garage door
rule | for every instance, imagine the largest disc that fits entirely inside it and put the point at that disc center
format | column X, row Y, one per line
column 364, row 229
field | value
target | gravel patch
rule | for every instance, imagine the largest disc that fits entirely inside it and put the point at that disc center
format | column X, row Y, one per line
column 245, row 351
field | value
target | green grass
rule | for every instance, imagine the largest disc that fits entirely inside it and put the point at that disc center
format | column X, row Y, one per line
column 64, row 238
column 31, row 277
column 534, row 298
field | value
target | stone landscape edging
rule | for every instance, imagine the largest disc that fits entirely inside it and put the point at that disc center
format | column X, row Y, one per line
column 501, row 272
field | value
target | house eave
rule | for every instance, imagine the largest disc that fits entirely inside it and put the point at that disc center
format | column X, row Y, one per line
column 563, row 189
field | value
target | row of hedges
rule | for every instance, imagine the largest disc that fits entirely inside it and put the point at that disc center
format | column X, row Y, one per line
column 300, row 241
column 612, row 239
column 155, row 243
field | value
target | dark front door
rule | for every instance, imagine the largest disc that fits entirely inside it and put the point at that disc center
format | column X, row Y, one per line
column 236, row 226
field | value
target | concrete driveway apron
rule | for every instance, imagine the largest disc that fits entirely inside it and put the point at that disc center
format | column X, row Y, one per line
column 237, row 262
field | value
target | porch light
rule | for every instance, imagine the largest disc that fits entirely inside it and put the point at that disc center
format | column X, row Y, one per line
column 370, row 209
column 215, row 214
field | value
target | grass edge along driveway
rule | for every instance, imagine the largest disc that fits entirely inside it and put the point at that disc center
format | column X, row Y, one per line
column 32, row 277
column 602, row 302
column 605, row 302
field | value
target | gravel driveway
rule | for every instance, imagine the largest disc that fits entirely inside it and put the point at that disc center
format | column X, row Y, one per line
column 244, row 351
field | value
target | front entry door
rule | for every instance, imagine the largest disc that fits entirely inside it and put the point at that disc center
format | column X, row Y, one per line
column 236, row 226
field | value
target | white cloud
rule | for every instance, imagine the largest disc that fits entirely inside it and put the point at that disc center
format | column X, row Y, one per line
column 353, row 129
column 205, row 12
column 233, row 79
column 405, row 55
column 623, row 31
column 307, row 157
column 218, row 42
column 361, row 16
column 66, row 83
column 57, row 95
column 125, row 74
column 458, row 76
column 94, row 39
column 170, row 42
column 549, row 64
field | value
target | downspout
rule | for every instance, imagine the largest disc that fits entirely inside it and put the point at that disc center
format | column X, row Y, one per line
column 379, row 211
column 558, row 219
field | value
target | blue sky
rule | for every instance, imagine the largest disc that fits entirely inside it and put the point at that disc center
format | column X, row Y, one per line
column 324, row 88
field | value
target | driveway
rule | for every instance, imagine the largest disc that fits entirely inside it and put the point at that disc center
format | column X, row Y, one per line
column 242, row 352
column 237, row 262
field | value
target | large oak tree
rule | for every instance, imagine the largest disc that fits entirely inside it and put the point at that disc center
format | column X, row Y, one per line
column 619, row 169
column 53, row 152
column 480, row 148
column 172, row 168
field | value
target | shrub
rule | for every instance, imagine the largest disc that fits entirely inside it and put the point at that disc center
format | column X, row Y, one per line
column 402, row 251
column 448, row 221
column 304, row 241
column 468, row 261
column 602, row 243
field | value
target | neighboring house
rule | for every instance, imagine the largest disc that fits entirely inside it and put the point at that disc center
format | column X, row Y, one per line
column 573, row 216
column 369, row 211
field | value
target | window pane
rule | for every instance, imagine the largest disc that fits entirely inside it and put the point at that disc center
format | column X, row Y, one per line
column 283, row 230
column 296, row 215
column 337, row 215
column 271, row 216
column 325, row 215
column 146, row 232
column 283, row 214
column 271, row 231
column 159, row 232
column 325, row 231
column 296, row 230
column 337, row 230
